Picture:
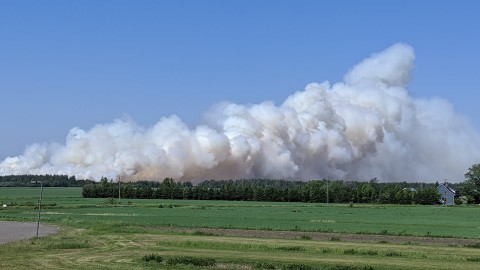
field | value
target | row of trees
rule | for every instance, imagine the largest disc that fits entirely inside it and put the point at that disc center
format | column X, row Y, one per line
column 48, row 180
column 318, row 191
column 260, row 189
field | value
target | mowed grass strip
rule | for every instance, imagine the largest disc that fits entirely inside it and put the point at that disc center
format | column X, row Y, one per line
column 82, row 249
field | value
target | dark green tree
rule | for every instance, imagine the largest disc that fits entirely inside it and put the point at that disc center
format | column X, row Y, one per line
column 427, row 195
column 471, row 186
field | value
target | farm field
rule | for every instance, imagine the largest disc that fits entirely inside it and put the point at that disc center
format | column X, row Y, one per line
column 170, row 234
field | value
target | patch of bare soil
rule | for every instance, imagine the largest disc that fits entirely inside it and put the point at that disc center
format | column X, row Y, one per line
column 324, row 236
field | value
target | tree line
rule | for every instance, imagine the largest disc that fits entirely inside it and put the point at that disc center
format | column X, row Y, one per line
column 316, row 191
column 47, row 180
column 260, row 189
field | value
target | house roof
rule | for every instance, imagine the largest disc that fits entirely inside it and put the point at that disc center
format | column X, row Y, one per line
column 448, row 188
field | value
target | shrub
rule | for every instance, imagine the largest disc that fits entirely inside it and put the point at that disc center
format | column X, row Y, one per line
column 153, row 257
column 291, row 248
column 296, row 266
column 350, row 251
column 394, row 254
column 197, row 261
column 264, row 266
column 305, row 237
column 109, row 201
column 476, row 245
column 370, row 252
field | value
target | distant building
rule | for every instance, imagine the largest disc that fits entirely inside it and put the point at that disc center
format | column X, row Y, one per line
column 447, row 193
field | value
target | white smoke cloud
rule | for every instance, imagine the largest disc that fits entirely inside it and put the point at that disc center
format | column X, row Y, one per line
column 367, row 126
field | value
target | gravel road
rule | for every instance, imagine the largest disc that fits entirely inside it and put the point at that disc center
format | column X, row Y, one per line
column 14, row 231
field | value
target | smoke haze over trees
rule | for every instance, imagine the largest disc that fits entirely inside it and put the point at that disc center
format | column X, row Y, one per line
column 47, row 181
column 270, row 190
column 367, row 126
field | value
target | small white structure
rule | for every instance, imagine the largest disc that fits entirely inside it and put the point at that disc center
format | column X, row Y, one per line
column 4, row 205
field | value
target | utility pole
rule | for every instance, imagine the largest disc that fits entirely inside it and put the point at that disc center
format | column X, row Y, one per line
column 119, row 189
column 327, row 189
column 39, row 203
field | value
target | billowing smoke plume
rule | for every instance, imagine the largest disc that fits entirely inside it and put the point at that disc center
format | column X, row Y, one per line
column 367, row 126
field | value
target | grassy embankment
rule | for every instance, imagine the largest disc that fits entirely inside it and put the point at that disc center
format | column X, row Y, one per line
column 99, row 235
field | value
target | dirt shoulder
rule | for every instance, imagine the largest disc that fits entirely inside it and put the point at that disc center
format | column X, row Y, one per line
column 13, row 231
column 320, row 236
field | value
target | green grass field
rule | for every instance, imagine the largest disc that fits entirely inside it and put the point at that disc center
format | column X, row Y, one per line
column 103, row 234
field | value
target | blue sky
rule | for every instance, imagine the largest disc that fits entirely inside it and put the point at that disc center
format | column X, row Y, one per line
column 78, row 63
